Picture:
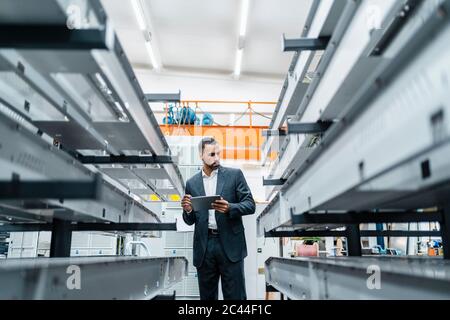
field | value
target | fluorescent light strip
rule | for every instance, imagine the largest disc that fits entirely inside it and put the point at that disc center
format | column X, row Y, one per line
column 140, row 17
column 136, row 4
column 238, row 64
column 150, row 52
column 244, row 17
column 242, row 32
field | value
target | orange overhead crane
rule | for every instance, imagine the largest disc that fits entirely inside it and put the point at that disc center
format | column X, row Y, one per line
column 239, row 142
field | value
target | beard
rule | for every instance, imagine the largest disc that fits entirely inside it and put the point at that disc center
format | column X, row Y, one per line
column 213, row 166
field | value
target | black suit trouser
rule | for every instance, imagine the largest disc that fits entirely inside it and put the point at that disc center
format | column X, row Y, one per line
column 217, row 266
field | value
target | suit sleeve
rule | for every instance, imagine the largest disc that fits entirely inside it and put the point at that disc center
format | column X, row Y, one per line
column 189, row 218
column 246, row 203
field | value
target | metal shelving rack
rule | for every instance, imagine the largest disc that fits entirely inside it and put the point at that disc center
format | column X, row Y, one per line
column 79, row 144
column 367, row 142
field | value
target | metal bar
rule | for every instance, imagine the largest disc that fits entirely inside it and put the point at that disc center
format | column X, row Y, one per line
column 295, row 127
column 79, row 277
column 396, row 26
column 362, row 233
column 366, row 217
column 354, row 240
column 54, row 37
column 303, row 233
column 304, row 44
column 445, row 232
column 273, row 182
column 399, row 233
column 34, row 227
column 124, row 227
column 124, row 159
column 228, row 102
column 163, row 97
column 61, row 239
column 18, row 189
column 274, row 133
column 25, row 227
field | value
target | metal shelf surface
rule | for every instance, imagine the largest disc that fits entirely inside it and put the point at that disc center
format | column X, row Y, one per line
column 390, row 148
column 104, row 278
column 348, row 278
column 34, row 158
column 322, row 19
column 83, row 91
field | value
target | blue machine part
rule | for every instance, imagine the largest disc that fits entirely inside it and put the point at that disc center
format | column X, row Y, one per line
column 186, row 116
column 208, row 119
column 170, row 119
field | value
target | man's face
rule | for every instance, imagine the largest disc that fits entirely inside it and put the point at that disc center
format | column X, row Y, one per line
column 211, row 156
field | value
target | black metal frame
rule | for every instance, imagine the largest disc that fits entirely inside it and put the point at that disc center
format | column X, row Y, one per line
column 51, row 37
column 163, row 97
column 305, row 44
column 363, row 233
column 45, row 189
column 124, row 159
column 273, row 182
column 366, row 217
column 295, row 127
column 82, row 226
column 61, row 239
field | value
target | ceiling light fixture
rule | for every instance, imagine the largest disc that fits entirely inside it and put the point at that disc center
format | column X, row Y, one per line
column 238, row 63
column 244, row 17
column 151, row 54
column 140, row 17
column 136, row 4
column 242, row 32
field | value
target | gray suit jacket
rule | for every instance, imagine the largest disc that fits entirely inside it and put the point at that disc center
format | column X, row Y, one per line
column 231, row 185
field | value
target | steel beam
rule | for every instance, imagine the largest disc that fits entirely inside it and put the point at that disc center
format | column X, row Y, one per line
column 362, row 233
column 163, row 97
column 125, row 227
column 51, row 37
column 295, row 127
column 304, row 44
column 366, row 217
column 61, row 239
column 125, row 159
column 273, row 182
column 19, row 189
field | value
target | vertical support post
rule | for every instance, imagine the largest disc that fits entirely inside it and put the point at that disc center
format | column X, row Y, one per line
column 61, row 239
column 353, row 240
column 134, row 246
column 445, row 231
column 280, row 243
column 251, row 115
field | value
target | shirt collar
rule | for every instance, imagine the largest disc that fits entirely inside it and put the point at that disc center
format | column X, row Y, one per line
column 213, row 174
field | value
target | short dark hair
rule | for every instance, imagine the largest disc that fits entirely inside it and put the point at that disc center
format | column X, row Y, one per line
column 204, row 142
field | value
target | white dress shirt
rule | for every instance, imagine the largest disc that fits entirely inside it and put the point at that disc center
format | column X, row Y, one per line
column 210, row 185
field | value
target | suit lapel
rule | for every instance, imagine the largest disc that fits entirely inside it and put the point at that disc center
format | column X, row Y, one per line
column 220, row 181
column 200, row 184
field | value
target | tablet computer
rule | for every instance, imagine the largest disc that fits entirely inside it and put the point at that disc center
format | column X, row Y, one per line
column 203, row 203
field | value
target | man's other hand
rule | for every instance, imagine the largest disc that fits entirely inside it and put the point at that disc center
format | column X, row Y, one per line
column 186, row 203
column 221, row 205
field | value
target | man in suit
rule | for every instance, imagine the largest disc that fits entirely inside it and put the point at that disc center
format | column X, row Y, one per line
column 219, row 239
